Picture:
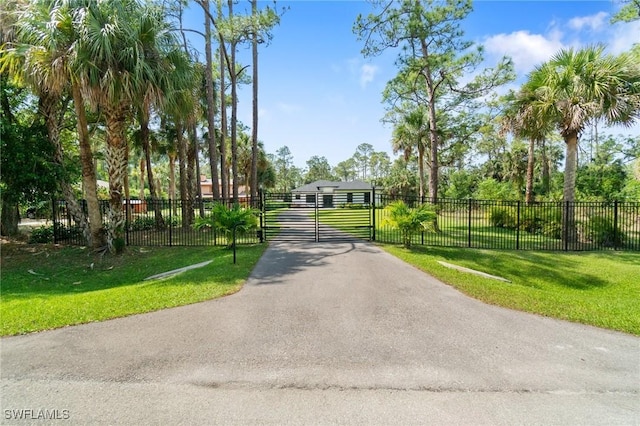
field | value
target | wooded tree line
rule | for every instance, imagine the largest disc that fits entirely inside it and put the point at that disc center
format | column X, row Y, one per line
column 114, row 80
column 91, row 88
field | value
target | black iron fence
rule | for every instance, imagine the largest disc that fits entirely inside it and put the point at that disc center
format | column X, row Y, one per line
column 158, row 223
column 516, row 225
column 509, row 225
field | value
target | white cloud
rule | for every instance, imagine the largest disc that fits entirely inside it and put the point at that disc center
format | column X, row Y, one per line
column 367, row 74
column 527, row 50
column 624, row 35
column 594, row 22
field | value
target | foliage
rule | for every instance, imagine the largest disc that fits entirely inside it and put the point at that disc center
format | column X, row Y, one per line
column 229, row 219
column 147, row 223
column 576, row 87
column 503, row 217
column 409, row 220
column 601, row 230
column 318, row 168
column 460, row 184
column 353, row 206
column 491, row 189
column 41, row 235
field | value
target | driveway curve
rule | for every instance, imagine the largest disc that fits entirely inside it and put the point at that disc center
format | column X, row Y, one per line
column 339, row 333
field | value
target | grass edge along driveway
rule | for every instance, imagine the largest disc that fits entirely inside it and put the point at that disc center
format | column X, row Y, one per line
column 46, row 287
column 595, row 288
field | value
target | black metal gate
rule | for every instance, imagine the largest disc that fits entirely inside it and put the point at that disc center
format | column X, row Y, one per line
column 317, row 217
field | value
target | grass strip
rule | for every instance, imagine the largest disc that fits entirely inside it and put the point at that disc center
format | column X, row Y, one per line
column 596, row 288
column 45, row 287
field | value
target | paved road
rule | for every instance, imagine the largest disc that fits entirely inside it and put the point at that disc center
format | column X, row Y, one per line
column 327, row 334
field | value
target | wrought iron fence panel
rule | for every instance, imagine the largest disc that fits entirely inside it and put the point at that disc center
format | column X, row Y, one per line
column 487, row 224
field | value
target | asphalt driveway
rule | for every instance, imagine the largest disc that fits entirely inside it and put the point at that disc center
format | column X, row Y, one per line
column 324, row 334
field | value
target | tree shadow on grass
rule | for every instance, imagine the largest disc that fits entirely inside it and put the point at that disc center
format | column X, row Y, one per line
column 553, row 267
column 69, row 271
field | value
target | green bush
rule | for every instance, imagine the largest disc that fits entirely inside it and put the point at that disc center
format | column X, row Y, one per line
column 227, row 219
column 503, row 217
column 531, row 221
column 601, row 231
column 410, row 221
column 353, row 206
column 148, row 223
column 41, row 235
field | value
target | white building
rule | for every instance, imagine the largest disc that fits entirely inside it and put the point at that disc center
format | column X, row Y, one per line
column 329, row 194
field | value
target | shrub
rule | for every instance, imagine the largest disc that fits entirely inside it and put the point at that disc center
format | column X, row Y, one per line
column 410, row 220
column 41, row 235
column 503, row 217
column 353, row 206
column 225, row 220
column 531, row 221
column 600, row 230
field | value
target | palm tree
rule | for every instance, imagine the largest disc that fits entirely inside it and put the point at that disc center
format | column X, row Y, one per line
column 576, row 87
column 412, row 133
column 44, row 57
column 522, row 119
column 127, row 52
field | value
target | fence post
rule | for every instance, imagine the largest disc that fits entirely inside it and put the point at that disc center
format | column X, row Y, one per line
column 469, row 226
column 55, row 222
column 373, row 211
column 261, row 204
column 518, row 227
column 615, row 225
column 317, row 219
column 565, row 226
column 126, row 221
column 170, row 222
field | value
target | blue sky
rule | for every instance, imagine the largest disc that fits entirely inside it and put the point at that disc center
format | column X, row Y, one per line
column 319, row 96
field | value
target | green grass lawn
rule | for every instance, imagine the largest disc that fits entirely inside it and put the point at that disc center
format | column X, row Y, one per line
column 45, row 287
column 597, row 288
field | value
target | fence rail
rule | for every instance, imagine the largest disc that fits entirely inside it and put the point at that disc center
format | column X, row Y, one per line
column 508, row 225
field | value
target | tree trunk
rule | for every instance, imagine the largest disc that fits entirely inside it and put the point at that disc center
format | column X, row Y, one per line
column 211, row 105
column 89, row 179
column 433, row 128
column 421, row 170
column 224, row 172
column 546, row 173
column 48, row 110
column 117, row 165
column 528, row 196
column 10, row 216
column 254, row 129
column 146, row 148
column 182, row 162
column 570, row 232
column 172, row 181
column 192, row 160
column 234, row 113
column 142, row 166
column 127, row 194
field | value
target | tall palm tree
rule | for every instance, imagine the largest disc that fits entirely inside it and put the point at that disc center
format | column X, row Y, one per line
column 524, row 121
column 127, row 52
column 412, row 133
column 44, row 57
column 576, row 87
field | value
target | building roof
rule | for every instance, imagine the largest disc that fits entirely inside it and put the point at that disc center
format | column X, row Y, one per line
column 356, row 185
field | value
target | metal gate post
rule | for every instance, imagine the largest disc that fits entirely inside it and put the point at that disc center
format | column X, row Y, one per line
column 372, row 218
column 317, row 219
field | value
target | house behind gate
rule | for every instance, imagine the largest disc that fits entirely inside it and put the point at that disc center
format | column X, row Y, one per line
column 333, row 194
